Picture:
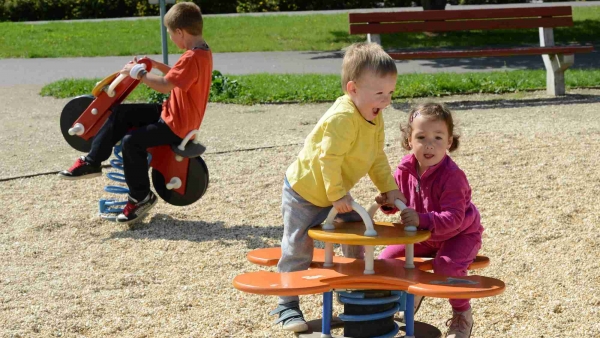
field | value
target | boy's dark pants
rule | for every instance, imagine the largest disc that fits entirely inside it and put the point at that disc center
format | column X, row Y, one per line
column 150, row 131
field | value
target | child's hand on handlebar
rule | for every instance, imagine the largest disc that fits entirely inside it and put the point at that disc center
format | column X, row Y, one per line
column 390, row 197
column 127, row 68
column 343, row 205
column 409, row 217
column 135, row 59
column 381, row 198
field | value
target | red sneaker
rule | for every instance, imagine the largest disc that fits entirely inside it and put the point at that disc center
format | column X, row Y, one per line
column 80, row 170
column 135, row 210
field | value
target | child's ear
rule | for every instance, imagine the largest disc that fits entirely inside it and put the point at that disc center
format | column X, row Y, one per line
column 450, row 140
column 351, row 87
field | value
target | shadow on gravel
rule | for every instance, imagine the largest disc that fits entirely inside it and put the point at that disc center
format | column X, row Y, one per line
column 165, row 227
column 512, row 103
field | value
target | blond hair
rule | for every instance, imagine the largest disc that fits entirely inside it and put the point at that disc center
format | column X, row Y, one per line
column 362, row 57
column 185, row 16
column 431, row 111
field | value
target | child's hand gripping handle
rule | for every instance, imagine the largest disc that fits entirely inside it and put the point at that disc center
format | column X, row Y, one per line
column 363, row 214
column 144, row 63
column 400, row 205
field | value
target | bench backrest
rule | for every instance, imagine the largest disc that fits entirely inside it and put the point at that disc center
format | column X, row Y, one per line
column 460, row 20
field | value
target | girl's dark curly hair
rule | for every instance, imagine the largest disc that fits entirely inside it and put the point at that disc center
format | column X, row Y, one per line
column 433, row 111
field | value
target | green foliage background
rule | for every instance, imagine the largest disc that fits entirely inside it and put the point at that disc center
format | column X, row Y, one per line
column 34, row 10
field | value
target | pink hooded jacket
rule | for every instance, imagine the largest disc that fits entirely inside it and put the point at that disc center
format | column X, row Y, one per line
column 442, row 197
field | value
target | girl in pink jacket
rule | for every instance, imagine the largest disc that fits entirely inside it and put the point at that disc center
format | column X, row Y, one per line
column 439, row 200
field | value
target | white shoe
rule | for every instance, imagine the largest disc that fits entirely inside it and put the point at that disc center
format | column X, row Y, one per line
column 460, row 325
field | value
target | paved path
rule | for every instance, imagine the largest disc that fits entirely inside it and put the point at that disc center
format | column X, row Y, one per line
column 46, row 70
column 43, row 71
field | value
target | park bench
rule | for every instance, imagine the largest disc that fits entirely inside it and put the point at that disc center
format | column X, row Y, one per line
column 556, row 58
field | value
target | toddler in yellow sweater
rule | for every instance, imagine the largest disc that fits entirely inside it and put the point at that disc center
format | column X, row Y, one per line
column 345, row 145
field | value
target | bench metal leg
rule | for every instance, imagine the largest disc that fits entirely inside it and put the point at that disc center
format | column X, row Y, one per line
column 555, row 72
column 374, row 38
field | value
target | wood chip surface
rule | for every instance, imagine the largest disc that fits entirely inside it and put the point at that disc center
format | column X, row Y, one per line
column 532, row 162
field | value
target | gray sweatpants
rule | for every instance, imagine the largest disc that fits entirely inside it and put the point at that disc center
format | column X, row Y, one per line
column 299, row 215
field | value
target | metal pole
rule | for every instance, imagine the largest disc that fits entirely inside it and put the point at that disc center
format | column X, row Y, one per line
column 163, row 33
column 326, row 319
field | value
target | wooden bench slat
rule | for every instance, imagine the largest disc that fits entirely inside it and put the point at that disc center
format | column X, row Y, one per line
column 450, row 26
column 489, row 52
column 463, row 14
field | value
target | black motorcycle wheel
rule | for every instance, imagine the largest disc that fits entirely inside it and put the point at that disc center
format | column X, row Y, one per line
column 70, row 113
column 197, row 184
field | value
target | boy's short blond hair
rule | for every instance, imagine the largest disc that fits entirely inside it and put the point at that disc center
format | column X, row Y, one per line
column 361, row 57
column 186, row 16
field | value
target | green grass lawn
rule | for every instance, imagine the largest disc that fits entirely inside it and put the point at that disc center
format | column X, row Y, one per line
column 275, row 88
column 254, row 33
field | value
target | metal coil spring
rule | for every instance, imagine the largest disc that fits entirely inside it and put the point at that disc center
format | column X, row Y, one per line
column 397, row 299
column 110, row 208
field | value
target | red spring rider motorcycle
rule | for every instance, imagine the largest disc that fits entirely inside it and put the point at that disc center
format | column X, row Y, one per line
column 179, row 175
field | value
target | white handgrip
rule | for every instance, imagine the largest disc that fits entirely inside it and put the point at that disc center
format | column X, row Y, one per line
column 363, row 214
column 188, row 137
column 111, row 89
column 78, row 129
column 400, row 205
column 174, row 183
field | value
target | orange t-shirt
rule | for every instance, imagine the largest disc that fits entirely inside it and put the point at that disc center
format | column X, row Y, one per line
column 191, row 75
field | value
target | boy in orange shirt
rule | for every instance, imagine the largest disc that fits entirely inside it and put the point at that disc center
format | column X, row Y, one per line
column 189, row 84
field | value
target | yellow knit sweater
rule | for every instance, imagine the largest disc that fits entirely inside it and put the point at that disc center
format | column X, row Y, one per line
column 341, row 149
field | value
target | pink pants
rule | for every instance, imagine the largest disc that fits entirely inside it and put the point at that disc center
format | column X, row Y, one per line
column 451, row 258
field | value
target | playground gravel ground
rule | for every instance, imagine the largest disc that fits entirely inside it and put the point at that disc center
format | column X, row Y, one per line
column 531, row 161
